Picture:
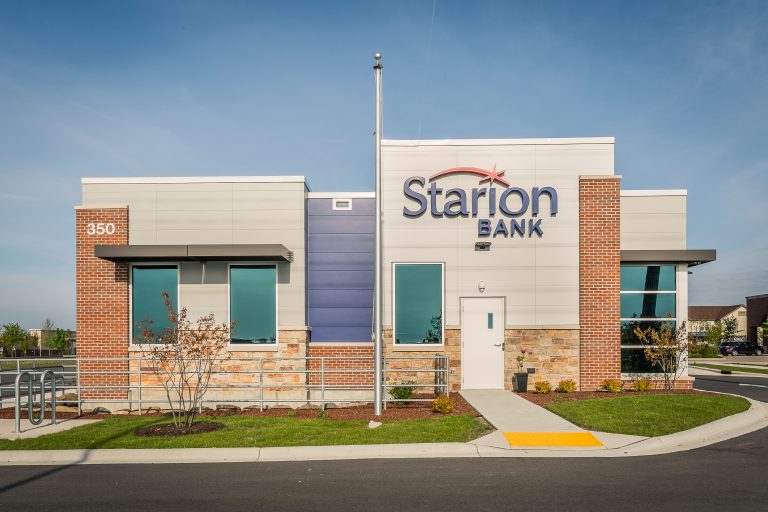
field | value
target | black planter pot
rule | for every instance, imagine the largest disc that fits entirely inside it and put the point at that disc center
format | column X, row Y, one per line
column 521, row 382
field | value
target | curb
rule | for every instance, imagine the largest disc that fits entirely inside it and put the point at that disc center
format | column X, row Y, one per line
column 755, row 418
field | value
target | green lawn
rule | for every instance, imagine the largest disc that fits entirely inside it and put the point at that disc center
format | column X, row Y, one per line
column 733, row 368
column 29, row 364
column 117, row 432
column 649, row 415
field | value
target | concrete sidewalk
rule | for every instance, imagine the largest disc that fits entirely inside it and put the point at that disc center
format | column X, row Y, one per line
column 510, row 413
column 31, row 431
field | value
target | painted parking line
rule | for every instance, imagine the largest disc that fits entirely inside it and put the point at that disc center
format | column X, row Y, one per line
column 551, row 439
column 752, row 385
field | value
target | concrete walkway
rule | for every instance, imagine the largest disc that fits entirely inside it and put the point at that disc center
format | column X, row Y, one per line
column 29, row 431
column 510, row 413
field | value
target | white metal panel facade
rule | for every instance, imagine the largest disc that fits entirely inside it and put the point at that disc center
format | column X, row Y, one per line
column 537, row 275
column 216, row 211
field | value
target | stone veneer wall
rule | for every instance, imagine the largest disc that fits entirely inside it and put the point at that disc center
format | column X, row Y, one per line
column 553, row 353
column 401, row 373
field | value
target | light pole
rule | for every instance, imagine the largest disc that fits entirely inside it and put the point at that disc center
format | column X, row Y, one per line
column 377, row 299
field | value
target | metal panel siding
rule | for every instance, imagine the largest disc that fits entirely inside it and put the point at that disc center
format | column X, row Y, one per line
column 340, row 259
column 538, row 276
column 653, row 222
column 218, row 213
column 340, row 243
column 365, row 207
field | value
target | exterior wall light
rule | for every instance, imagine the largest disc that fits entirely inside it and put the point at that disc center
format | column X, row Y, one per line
column 481, row 286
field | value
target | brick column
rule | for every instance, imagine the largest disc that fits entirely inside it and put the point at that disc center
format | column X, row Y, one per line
column 599, row 275
column 102, row 305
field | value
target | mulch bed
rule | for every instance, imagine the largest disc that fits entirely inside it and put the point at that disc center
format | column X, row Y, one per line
column 400, row 411
column 170, row 430
column 544, row 399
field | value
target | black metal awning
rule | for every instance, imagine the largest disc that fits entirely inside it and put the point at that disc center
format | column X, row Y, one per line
column 691, row 256
column 212, row 252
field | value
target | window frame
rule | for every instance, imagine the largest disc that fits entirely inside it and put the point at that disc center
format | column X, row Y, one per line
column 235, row 347
column 674, row 319
column 423, row 346
column 151, row 264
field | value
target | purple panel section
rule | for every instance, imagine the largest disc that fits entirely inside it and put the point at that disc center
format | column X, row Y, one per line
column 360, row 206
column 341, row 334
column 340, row 243
column 340, row 280
column 340, row 261
column 322, row 298
column 327, row 224
column 340, row 317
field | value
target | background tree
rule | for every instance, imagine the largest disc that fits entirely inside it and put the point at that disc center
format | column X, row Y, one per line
column 184, row 356
column 60, row 342
column 667, row 349
column 730, row 328
column 14, row 335
column 714, row 334
column 764, row 331
column 46, row 333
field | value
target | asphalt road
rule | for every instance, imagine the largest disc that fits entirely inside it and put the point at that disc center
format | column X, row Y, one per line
column 755, row 388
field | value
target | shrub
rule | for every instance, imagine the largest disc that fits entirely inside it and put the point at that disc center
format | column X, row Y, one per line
column 543, row 387
column 703, row 350
column 401, row 392
column 566, row 386
column 442, row 404
column 612, row 385
column 642, row 385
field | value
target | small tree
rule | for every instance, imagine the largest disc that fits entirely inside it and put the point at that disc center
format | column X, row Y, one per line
column 184, row 356
column 764, row 331
column 14, row 336
column 46, row 333
column 730, row 328
column 666, row 348
column 59, row 341
column 714, row 334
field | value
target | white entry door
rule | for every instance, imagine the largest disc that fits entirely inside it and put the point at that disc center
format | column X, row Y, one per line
column 482, row 343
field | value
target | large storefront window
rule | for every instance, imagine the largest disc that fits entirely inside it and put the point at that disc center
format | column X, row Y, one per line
column 418, row 303
column 147, row 304
column 648, row 299
column 253, row 304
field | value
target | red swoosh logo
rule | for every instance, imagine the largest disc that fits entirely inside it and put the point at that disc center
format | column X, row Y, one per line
column 487, row 175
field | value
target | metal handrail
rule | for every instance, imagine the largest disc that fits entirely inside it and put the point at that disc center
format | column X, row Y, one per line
column 129, row 378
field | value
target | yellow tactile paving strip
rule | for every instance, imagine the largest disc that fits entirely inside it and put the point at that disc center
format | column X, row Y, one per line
column 551, row 439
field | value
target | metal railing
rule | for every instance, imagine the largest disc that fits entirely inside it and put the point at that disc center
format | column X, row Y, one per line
column 131, row 383
column 47, row 382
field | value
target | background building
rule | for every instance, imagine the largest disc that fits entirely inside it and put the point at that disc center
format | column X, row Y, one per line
column 701, row 318
column 757, row 313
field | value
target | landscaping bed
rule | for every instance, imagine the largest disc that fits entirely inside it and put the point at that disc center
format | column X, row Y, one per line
column 396, row 411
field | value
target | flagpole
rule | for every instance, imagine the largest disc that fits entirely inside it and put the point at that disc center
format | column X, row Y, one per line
column 377, row 301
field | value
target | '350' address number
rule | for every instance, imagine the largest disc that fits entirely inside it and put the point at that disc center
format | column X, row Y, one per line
column 100, row 228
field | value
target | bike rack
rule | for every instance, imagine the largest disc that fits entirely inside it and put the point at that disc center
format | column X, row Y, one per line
column 33, row 419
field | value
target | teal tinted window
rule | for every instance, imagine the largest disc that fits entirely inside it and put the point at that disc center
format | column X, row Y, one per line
column 253, row 304
column 648, row 305
column 147, row 303
column 648, row 278
column 633, row 360
column 418, row 303
column 628, row 336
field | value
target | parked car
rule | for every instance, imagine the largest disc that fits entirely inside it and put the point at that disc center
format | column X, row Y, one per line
column 735, row 348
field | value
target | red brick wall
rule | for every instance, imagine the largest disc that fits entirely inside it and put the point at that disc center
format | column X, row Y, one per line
column 599, row 286
column 349, row 355
column 102, row 304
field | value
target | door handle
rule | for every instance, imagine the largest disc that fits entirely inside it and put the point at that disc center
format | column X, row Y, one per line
column 497, row 344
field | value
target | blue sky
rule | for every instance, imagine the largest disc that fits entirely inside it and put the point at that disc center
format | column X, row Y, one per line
column 219, row 88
